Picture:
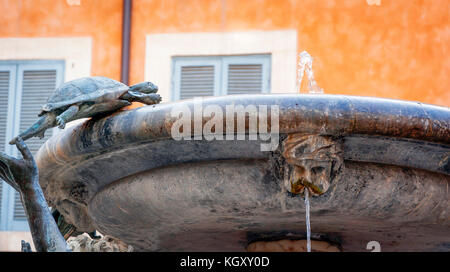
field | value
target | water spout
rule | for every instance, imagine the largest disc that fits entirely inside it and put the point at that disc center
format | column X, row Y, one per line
column 308, row 225
column 305, row 66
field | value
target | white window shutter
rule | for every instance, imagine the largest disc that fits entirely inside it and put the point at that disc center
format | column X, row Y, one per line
column 4, row 91
column 245, row 79
column 1, row 196
column 37, row 86
column 196, row 81
column 220, row 75
column 19, row 212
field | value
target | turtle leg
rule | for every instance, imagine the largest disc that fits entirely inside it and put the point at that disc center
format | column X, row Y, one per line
column 66, row 116
column 149, row 99
column 46, row 121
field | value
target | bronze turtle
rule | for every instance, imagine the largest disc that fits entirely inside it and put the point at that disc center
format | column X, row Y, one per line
column 87, row 97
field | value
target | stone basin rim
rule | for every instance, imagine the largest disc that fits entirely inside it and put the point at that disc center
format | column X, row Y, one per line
column 63, row 159
column 335, row 115
column 342, row 115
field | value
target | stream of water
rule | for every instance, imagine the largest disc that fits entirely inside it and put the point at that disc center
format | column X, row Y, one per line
column 308, row 225
column 305, row 66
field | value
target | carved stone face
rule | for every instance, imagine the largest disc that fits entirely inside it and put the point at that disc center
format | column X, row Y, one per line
column 312, row 162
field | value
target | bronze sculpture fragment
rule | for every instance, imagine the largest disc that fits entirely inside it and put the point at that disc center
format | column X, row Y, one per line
column 88, row 97
column 23, row 175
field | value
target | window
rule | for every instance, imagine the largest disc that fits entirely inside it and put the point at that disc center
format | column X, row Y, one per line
column 24, row 87
column 220, row 75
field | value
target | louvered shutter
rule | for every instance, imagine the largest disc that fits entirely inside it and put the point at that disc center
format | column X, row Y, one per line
column 245, row 79
column 37, row 86
column 4, row 90
column 220, row 75
column 196, row 81
column 1, row 196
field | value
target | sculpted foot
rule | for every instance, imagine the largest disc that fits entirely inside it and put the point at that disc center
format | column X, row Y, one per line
column 13, row 141
column 61, row 123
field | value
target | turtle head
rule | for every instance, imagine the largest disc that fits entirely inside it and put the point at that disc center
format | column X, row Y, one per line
column 144, row 87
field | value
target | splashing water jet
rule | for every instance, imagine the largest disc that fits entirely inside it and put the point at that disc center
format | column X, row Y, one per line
column 305, row 66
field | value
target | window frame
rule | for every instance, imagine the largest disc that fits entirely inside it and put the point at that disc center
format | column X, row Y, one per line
column 220, row 64
column 7, row 222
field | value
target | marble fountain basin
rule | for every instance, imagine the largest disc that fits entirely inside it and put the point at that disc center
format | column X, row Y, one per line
column 386, row 179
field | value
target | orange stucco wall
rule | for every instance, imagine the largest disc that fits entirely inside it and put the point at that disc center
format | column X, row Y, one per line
column 397, row 49
column 99, row 19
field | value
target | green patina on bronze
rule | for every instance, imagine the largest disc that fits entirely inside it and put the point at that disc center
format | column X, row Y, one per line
column 88, row 97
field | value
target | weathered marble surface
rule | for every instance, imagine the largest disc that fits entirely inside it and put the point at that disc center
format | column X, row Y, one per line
column 126, row 177
column 84, row 243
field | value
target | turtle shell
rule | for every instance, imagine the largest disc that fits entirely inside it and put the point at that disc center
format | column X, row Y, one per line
column 88, row 89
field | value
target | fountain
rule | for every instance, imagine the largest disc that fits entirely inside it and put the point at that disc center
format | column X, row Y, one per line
column 305, row 65
column 377, row 170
